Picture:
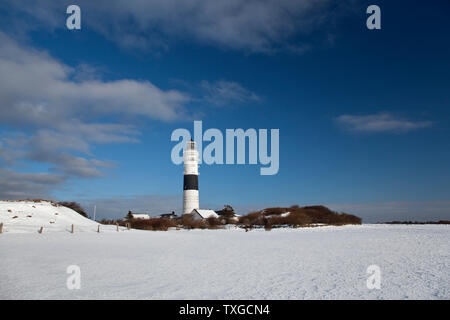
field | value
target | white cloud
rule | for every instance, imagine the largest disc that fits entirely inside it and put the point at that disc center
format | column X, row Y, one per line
column 380, row 122
column 223, row 92
column 56, row 118
column 16, row 185
column 249, row 25
column 37, row 89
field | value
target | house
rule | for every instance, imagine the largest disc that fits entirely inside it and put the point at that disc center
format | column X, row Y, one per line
column 169, row 215
column 198, row 214
column 140, row 216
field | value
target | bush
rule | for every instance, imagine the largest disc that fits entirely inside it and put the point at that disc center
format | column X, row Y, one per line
column 112, row 221
column 227, row 211
column 268, row 226
column 274, row 211
column 298, row 217
column 129, row 216
column 214, row 223
column 158, row 224
column 74, row 206
column 187, row 221
column 253, row 218
column 229, row 220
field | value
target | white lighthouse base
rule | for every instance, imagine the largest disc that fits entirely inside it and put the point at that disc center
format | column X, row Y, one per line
column 190, row 201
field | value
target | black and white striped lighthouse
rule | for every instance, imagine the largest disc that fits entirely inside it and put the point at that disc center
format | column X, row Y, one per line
column 190, row 184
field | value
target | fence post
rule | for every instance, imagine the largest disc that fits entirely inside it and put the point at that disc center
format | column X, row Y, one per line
column 1, row 227
column 117, row 225
column 72, row 228
column 40, row 230
column 98, row 228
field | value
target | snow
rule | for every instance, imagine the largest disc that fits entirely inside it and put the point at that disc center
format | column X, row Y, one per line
column 205, row 214
column 305, row 263
column 30, row 216
column 140, row 216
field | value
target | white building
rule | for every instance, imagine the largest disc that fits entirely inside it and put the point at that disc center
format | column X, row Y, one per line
column 198, row 214
column 140, row 216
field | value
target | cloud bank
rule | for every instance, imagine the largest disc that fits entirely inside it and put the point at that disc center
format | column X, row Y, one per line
column 54, row 113
column 380, row 122
column 248, row 25
column 53, row 119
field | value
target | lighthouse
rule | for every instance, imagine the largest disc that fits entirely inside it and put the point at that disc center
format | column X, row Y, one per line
column 190, row 184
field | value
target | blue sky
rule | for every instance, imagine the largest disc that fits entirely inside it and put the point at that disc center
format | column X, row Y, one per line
column 363, row 114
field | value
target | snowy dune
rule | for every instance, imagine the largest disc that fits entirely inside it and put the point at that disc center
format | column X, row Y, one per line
column 310, row 263
column 29, row 216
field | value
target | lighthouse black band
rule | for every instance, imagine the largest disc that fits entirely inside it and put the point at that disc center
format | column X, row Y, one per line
column 190, row 182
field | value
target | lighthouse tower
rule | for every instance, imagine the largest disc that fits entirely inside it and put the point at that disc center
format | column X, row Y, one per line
column 190, row 185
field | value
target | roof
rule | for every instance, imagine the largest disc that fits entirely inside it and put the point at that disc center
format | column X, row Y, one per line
column 141, row 215
column 168, row 215
column 205, row 214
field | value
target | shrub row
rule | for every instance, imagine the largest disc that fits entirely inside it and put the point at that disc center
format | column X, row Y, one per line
column 267, row 218
column 297, row 217
column 163, row 224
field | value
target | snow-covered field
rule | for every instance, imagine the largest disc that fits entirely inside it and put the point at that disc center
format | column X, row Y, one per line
column 310, row 263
